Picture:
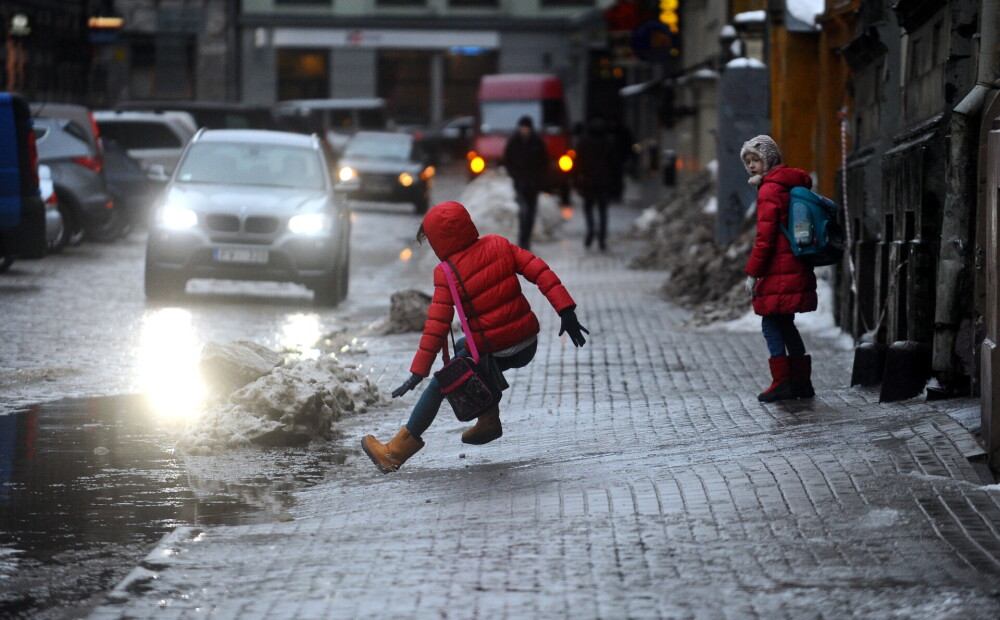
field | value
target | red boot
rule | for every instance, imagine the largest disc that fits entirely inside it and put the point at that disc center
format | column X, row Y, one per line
column 781, row 381
column 802, row 386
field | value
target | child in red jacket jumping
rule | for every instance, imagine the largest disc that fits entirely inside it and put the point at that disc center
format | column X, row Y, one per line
column 501, row 321
column 778, row 283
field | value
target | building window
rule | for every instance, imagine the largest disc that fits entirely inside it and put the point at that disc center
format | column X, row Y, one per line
column 400, row 2
column 325, row 3
column 303, row 74
column 490, row 4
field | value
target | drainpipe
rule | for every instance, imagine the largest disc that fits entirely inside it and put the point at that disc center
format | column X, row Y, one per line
column 954, row 276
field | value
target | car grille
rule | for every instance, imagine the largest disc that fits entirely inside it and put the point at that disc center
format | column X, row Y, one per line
column 222, row 223
column 261, row 225
column 256, row 225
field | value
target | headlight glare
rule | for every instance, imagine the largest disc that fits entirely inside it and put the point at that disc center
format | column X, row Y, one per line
column 174, row 217
column 308, row 223
column 405, row 179
column 347, row 173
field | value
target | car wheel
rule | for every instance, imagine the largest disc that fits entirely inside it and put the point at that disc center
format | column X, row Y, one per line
column 162, row 285
column 108, row 231
column 344, row 276
column 333, row 289
column 62, row 238
column 70, row 212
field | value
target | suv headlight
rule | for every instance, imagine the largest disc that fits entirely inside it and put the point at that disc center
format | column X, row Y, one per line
column 174, row 217
column 308, row 223
column 347, row 173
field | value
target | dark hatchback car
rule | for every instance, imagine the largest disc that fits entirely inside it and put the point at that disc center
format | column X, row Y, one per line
column 85, row 202
column 250, row 205
column 386, row 167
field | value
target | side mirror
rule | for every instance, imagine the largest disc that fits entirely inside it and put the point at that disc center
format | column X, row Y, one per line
column 158, row 173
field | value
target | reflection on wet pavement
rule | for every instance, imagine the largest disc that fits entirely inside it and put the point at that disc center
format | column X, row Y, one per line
column 87, row 486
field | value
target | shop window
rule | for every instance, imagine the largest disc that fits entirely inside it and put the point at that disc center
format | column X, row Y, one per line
column 303, row 74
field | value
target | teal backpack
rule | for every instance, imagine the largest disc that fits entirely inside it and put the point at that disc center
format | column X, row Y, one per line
column 816, row 237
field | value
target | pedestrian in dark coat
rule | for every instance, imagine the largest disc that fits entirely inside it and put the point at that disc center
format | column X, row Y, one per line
column 594, row 171
column 778, row 283
column 527, row 161
column 501, row 320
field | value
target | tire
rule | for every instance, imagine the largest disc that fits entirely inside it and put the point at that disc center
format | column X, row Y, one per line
column 57, row 244
column 161, row 285
column 422, row 202
column 107, row 231
column 72, row 228
column 333, row 289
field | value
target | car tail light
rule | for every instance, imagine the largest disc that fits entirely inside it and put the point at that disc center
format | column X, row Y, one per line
column 97, row 132
column 477, row 164
column 565, row 163
column 93, row 162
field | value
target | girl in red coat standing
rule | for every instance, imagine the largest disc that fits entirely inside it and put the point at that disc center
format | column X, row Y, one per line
column 502, row 323
column 778, row 283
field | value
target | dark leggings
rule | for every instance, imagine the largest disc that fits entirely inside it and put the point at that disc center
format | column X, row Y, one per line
column 781, row 335
column 427, row 406
column 601, row 199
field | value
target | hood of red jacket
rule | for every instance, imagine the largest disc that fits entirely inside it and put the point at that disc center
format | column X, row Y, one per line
column 789, row 177
column 449, row 228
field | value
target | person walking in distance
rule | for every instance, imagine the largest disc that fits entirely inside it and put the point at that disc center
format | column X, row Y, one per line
column 502, row 323
column 527, row 161
column 778, row 283
column 593, row 176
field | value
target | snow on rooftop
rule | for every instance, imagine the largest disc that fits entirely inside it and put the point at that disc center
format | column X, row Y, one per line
column 806, row 10
column 744, row 63
column 750, row 17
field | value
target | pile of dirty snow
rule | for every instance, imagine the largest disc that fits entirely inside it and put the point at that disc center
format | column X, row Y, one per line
column 291, row 404
column 492, row 203
column 703, row 277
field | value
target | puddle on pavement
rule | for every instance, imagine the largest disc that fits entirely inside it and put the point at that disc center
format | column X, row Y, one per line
column 87, row 486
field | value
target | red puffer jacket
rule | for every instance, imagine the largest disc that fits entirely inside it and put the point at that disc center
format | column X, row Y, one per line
column 488, row 267
column 786, row 285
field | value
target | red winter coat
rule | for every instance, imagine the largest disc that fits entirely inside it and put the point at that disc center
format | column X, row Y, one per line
column 786, row 285
column 488, row 267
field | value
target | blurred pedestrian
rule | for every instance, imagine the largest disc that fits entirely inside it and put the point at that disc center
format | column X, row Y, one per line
column 624, row 156
column 503, row 325
column 593, row 176
column 778, row 283
column 527, row 162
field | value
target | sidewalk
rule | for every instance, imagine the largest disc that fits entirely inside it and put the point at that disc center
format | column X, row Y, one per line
column 638, row 477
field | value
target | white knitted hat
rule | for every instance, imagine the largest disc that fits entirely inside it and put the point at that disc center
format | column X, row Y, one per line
column 766, row 149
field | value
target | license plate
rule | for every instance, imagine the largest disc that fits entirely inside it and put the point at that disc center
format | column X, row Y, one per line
column 241, row 255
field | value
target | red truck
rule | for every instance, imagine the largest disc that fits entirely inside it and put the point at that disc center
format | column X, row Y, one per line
column 505, row 98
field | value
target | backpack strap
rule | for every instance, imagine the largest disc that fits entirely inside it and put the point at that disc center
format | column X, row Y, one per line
column 470, row 342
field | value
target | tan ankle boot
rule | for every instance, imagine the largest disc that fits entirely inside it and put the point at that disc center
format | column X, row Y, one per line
column 487, row 428
column 390, row 456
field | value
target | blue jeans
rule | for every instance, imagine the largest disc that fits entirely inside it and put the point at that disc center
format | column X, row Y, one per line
column 427, row 406
column 781, row 335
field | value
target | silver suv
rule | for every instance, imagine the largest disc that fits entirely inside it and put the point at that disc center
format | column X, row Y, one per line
column 248, row 204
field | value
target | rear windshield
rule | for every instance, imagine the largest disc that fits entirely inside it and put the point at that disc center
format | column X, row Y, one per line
column 398, row 148
column 140, row 135
column 252, row 164
column 502, row 116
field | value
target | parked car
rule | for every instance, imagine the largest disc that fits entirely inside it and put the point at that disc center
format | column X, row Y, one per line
column 85, row 204
column 151, row 138
column 81, row 115
column 450, row 140
column 131, row 187
column 334, row 119
column 211, row 114
column 55, row 231
column 248, row 204
column 387, row 167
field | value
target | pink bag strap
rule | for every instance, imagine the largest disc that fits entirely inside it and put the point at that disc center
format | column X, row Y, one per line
column 469, row 340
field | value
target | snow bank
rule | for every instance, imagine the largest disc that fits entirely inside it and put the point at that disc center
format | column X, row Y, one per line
column 290, row 405
column 492, row 204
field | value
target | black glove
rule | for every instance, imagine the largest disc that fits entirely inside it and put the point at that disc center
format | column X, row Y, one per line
column 408, row 385
column 571, row 326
